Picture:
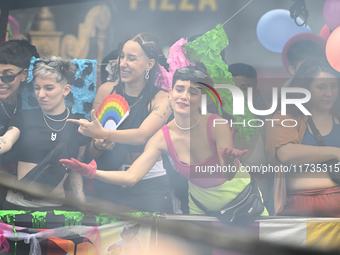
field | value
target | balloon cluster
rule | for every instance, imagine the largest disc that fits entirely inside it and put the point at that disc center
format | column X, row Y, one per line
column 276, row 27
column 331, row 32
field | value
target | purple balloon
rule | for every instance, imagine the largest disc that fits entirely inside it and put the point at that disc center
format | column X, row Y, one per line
column 331, row 13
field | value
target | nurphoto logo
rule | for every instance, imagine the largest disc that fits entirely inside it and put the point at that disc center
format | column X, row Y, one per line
column 239, row 102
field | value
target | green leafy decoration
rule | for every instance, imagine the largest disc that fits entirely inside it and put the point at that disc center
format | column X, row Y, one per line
column 207, row 49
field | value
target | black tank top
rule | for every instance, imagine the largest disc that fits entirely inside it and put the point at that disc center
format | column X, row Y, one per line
column 139, row 110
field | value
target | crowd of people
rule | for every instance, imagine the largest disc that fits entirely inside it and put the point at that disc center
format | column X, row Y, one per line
column 149, row 163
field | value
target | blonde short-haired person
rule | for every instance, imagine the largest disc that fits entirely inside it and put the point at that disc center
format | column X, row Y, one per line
column 38, row 131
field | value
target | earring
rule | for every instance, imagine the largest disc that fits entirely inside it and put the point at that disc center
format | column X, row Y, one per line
column 147, row 74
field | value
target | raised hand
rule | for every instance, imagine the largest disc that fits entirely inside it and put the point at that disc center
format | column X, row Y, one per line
column 88, row 170
column 91, row 129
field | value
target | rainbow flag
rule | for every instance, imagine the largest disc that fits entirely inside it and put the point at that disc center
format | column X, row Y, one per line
column 113, row 111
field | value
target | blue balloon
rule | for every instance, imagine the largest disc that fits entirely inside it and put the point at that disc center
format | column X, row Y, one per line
column 276, row 27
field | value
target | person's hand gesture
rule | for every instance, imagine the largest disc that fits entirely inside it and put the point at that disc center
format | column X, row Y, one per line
column 230, row 154
column 91, row 129
column 88, row 170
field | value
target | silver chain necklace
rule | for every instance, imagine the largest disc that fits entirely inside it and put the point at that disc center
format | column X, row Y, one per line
column 68, row 114
column 54, row 135
column 185, row 129
column 134, row 103
column 15, row 109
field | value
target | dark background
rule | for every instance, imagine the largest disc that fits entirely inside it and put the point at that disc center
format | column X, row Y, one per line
column 169, row 26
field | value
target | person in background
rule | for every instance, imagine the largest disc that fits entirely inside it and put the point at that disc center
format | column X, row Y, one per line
column 299, row 52
column 308, row 192
column 108, row 69
column 245, row 76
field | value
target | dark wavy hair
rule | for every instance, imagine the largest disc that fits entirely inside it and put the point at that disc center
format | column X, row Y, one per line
column 308, row 71
column 149, row 45
column 17, row 53
column 191, row 76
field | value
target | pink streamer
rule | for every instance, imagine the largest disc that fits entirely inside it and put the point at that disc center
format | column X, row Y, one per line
column 176, row 60
column 4, row 245
column 92, row 231
column 162, row 78
column 15, row 27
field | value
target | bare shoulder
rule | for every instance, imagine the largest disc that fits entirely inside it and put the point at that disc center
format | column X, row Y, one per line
column 160, row 97
column 103, row 91
column 106, row 88
column 157, row 141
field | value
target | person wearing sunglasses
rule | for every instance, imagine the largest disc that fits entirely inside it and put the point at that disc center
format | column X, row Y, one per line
column 37, row 132
column 192, row 141
column 15, row 58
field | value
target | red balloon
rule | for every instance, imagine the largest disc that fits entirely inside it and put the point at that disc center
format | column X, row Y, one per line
column 325, row 32
column 303, row 36
column 333, row 49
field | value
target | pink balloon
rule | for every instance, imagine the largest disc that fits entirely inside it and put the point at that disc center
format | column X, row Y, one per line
column 333, row 49
column 331, row 13
column 325, row 32
column 303, row 36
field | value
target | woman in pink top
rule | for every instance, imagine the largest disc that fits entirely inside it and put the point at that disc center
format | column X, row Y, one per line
column 193, row 142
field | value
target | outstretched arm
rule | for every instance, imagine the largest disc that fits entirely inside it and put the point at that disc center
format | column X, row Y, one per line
column 9, row 139
column 134, row 174
column 224, row 145
column 156, row 119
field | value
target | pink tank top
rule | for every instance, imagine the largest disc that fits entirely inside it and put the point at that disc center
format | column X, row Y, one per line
column 205, row 180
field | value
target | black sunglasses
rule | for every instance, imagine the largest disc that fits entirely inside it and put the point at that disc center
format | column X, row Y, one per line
column 53, row 64
column 197, row 73
column 9, row 78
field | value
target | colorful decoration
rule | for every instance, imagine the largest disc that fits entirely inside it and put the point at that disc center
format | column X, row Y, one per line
column 303, row 36
column 331, row 10
column 276, row 27
column 10, row 215
column 103, row 219
column 333, row 49
column 39, row 219
column 113, row 111
column 71, row 218
column 14, row 27
column 325, row 32
column 207, row 49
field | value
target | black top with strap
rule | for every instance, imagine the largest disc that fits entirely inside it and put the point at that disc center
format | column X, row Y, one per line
column 115, row 158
